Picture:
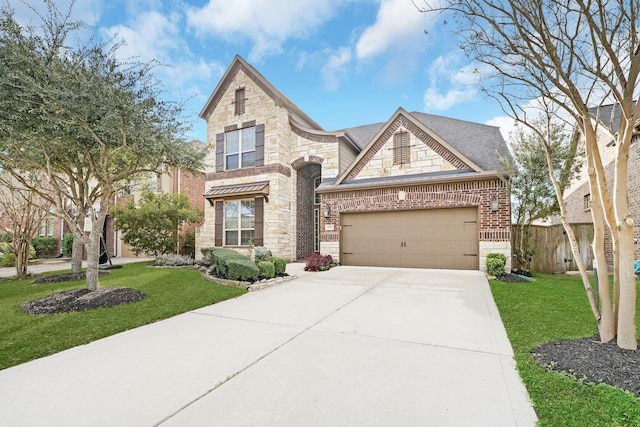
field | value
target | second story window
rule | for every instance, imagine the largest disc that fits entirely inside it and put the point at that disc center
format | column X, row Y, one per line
column 239, row 101
column 240, row 148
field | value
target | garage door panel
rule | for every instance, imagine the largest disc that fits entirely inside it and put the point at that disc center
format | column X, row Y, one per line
column 438, row 238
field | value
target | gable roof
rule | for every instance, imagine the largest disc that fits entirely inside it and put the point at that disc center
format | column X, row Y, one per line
column 280, row 100
column 610, row 116
column 476, row 145
column 481, row 144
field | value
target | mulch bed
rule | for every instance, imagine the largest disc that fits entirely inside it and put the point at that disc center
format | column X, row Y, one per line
column 592, row 361
column 82, row 299
column 511, row 278
column 55, row 278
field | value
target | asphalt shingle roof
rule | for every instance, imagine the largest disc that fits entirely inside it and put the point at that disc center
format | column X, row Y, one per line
column 482, row 144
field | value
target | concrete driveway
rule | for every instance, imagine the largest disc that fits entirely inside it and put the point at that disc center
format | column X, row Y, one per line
column 354, row 346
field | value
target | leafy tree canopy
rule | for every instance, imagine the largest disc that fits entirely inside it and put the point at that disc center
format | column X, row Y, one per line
column 152, row 225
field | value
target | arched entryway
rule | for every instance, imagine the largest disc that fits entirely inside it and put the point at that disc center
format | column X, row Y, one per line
column 308, row 209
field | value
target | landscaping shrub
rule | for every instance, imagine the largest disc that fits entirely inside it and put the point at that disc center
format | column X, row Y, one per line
column 8, row 259
column 6, row 238
column 280, row 265
column 241, row 269
column 266, row 269
column 496, row 263
column 317, row 262
column 43, row 245
column 174, row 260
column 67, row 245
column 260, row 253
column 5, row 247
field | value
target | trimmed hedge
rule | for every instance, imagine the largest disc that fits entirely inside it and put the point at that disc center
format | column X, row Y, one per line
column 241, row 269
column 260, row 253
column 279, row 264
column 267, row 269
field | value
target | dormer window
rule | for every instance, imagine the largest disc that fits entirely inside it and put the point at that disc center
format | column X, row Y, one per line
column 401, row 155
column 239, row 101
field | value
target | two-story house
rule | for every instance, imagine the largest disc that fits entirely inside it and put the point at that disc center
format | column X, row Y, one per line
column 418, row 190
column 578, row 196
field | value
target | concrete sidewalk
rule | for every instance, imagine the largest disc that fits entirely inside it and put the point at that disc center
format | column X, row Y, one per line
column 353, row 346
column 57, row 264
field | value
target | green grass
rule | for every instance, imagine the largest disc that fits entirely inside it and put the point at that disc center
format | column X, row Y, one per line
column 552, row 308
column 167, row 292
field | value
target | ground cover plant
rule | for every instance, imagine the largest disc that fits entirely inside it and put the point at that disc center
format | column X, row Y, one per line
column 167, row 292
column 554, row 309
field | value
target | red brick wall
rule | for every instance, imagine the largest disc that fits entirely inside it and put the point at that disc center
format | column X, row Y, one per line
column 492, row 226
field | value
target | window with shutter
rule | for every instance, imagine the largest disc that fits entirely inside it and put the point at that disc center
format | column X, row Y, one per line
column 240, row 148
column 239, row 222
column 401, row 154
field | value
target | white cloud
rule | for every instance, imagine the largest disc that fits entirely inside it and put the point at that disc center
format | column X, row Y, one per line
column 435, row 100
column 266, row 23
column 449, row 82
column 398, row 24
column 506, row 124
column 150, row 35
column 334, row 67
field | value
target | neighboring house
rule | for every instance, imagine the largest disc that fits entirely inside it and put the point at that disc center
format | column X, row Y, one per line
column 416, row 191
column 175, row 181
column 578, row 196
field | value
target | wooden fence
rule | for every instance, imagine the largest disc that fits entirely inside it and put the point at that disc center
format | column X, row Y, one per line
column 551, row 249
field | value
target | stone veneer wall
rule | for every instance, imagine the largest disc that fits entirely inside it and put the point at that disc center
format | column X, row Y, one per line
column 494, row 228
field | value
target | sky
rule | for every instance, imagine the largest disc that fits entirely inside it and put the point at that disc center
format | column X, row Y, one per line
column 345, row 63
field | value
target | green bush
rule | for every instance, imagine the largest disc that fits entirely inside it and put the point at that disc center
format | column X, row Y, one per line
column 6, row 247
column 279, row 264
column 260, row 253
column 266, row 269
column 8, row 259
column 43, row 245
column 241, row 269
column 221, row 257
column 67, row 245
column 173, row 260
column 6, row 238
column 496, row 263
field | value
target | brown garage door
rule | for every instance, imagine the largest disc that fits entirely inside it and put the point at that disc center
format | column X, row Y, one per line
column 436, row 238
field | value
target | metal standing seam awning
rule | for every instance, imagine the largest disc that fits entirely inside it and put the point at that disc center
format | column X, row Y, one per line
column 234, row 190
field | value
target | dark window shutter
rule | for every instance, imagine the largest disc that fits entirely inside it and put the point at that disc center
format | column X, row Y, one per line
column 260, row 145
column 258, row 233
column 220, row 152
column 401, row 148
column 240, row 101
column 219, row 222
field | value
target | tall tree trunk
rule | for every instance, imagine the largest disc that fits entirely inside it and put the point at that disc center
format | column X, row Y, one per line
column 624, row 246
column 93, row 257
column 599, row 199
column 627, row 309
column 607, row 324
column 93, row 248
column 78, row 242
column 76, row 255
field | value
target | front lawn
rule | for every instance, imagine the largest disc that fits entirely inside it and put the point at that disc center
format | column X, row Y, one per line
column 553, row 308
column 167, row 292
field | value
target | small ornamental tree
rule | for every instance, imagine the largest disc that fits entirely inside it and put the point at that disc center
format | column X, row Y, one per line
column 153, row 225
